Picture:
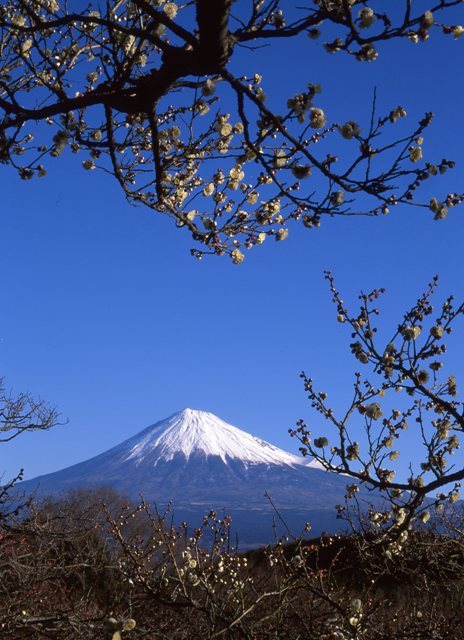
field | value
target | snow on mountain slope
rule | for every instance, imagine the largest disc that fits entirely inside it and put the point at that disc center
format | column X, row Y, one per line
column 314, row 464
column 192, row 432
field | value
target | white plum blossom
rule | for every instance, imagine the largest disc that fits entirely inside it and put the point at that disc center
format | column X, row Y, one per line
column 209, row 189
column 282, row 234
column 18, row 20
column 317, row 118
column 366, row 17
column 170, row 9
column 208, row 88
column 236, row 172
column 350, row 129
column 237, row 256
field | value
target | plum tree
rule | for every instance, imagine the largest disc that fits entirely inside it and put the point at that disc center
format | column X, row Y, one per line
column 18, row 414
column 409, row 389
column 145, row 90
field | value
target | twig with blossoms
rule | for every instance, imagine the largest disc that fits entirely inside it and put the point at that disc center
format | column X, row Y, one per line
column 410, row 362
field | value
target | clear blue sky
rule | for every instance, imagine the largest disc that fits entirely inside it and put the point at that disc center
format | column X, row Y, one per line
column 105, row 314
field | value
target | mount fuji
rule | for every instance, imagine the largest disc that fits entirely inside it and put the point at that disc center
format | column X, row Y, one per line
column 197, row 461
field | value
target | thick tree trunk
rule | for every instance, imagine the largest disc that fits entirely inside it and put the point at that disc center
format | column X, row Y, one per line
column 215, row 41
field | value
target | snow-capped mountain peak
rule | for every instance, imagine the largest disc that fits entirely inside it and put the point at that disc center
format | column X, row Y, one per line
column 194, row 461
column 191, row 432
